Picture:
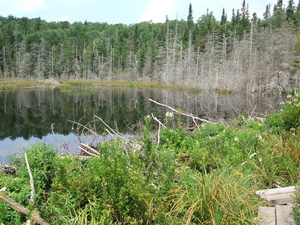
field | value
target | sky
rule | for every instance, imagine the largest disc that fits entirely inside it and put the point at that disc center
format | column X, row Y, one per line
column 124, row 11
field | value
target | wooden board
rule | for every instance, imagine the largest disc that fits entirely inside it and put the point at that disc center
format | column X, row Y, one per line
column 278, row 195
column 284, row 215
column 276, row 190
column 266, row 215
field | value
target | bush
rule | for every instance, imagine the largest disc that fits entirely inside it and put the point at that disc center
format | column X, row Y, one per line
column 290, row 116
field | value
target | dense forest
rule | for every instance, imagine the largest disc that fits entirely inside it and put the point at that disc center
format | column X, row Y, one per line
column 239, row 51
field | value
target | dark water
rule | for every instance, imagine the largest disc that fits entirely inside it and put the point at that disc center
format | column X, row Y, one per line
column 26, row 116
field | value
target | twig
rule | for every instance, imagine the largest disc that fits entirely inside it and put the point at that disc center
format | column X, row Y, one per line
column 52, row 129
column 108, row 126
column 35, row 216
column 89, row 153
column 6, row 168
column 90, row 130
column 160, row 124
column 90, row 148
column 32, row 192
column 157, row 120
column 181, row 113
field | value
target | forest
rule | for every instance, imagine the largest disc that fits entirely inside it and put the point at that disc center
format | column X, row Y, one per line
column 171, row 172
column 238, row 51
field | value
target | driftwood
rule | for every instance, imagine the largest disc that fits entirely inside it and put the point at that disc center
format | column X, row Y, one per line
column 35, row 216
column 7, row 169
column 182, row 113
column 88, row 150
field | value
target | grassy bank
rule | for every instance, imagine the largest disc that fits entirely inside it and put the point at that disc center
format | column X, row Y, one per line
column 75, row 85
column 175, row 176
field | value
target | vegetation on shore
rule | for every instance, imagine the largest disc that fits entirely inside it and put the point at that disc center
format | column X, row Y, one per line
column 75, row 85
column 205, row 176
column 243, row 52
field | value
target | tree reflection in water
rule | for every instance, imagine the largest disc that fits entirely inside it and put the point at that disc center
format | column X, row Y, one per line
column 26, row 115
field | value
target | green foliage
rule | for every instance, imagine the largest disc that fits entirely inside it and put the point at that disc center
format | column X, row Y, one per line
column 296, row 210
column 215, row 198
column 289, row 118
column 203, row 177
column 107, row 188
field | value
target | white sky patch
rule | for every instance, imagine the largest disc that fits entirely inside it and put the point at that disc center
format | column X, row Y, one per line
column 64, row 18
column 30, row 5
column 157, row 10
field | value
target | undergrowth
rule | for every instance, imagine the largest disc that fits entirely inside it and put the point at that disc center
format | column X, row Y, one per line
column 207, row 176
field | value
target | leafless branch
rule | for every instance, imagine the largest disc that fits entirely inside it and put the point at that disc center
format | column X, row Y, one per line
column 181, row 113
column 89, row 148
column 81, row 125
column 32, row 192
column 108, row 126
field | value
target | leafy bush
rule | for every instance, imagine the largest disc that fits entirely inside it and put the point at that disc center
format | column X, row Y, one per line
column 289, row 118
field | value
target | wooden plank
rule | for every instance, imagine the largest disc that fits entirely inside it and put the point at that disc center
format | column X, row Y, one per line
column 266, row 215
column 278, row 195
column 275, row 191
column 284, row 215
column 280, row 199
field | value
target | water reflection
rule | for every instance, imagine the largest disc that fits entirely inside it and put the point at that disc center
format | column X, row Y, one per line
column 26, row 115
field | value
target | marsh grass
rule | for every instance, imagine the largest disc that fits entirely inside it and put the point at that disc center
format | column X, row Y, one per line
column 13, row 84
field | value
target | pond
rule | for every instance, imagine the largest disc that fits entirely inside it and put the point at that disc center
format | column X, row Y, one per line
column 30, row 116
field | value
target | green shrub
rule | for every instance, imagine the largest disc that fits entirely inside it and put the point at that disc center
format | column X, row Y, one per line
column 289, row 118
column 291, row 112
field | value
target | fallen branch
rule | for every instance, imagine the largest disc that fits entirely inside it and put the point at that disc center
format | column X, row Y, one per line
column 90, row 148
column 35, row 216
column 87, row 152
column 7, row 169
column 181, row 113
column 79, row 124
column 160, row 124
column 32, row 192
column 108, row 126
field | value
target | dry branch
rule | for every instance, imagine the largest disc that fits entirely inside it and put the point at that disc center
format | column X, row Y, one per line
column 32, row 192
column 7, row 169
column 94, row 152
column 160, row 125
column 79, row 124
column 181, row 113
column 35, row 216
column 108, row 126
column 87, row 152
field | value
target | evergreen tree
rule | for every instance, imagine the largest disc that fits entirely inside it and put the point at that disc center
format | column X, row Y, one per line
column 233, row 19
column 190, row 19
column 224, row 17
column 267, row 13
column 290, row 11
column 278, row 16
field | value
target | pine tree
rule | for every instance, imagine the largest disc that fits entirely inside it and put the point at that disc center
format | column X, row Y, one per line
column 290, row 11
column 224, row 17
column 190, row 20
column 267, row 13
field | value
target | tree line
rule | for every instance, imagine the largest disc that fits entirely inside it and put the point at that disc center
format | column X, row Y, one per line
column 208, row 53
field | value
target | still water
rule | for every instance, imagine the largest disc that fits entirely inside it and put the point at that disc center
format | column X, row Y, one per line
column 26, row 116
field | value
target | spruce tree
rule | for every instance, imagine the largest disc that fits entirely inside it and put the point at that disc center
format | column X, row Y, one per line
column 224, row 17
column 290, row 11
column 190, row 21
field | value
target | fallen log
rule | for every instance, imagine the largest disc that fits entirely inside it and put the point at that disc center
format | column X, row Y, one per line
column 35, row 216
